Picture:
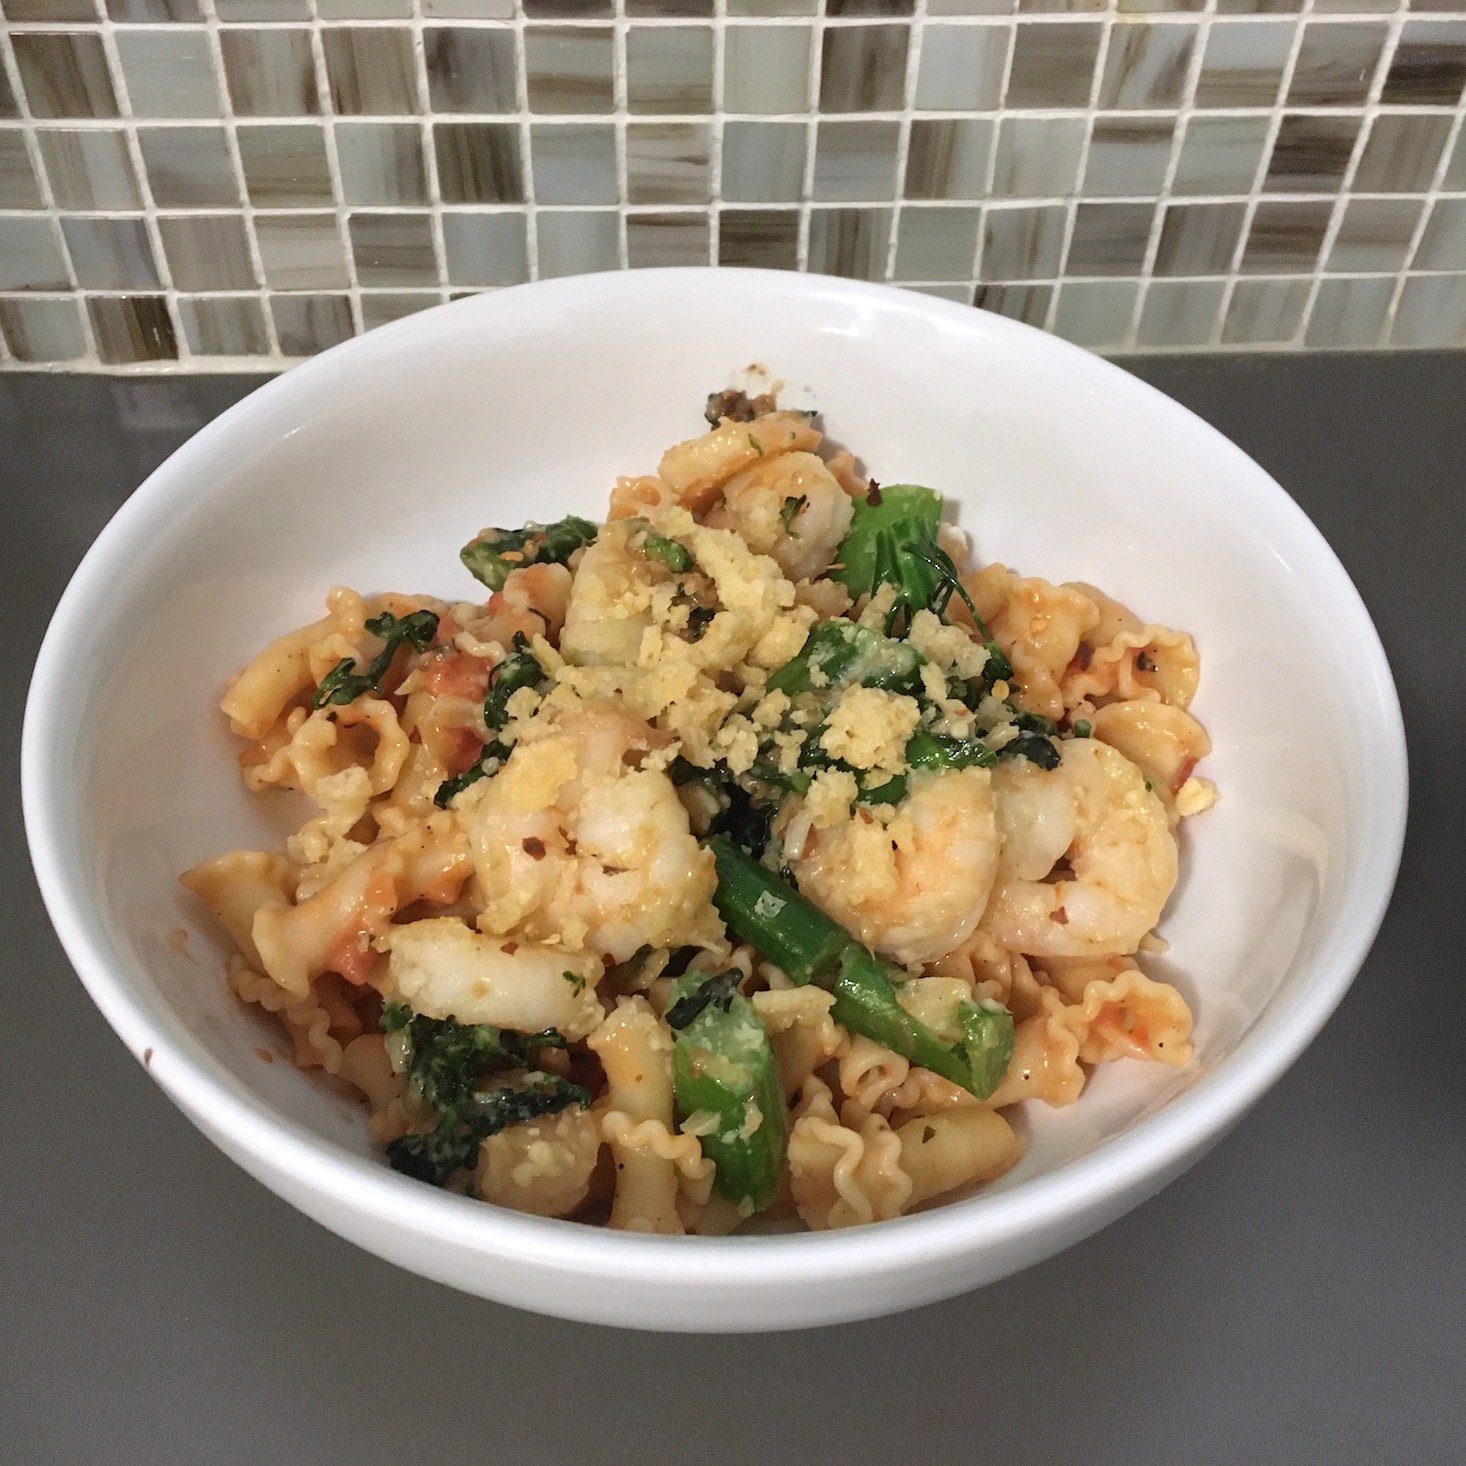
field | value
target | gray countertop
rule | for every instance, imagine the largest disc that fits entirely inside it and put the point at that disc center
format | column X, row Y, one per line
column 1296, row 1297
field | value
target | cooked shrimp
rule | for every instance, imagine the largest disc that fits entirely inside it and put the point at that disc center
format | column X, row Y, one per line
column 572, row 844
column 790, row 507
column 1094, row 812
column 610, row 603
column 696, row 469
column 912, row 880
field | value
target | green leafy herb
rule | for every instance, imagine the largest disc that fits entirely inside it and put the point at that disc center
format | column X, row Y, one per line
column 1037, row 748
column 840, row 653
column 790, row 510
column 718, row 991
column 755, row 445
column 1083, row 728
column 677, row 558
column 519, row 669
column 444, row 1062
column 491, row 555
column 576, row 981
column 344, row 683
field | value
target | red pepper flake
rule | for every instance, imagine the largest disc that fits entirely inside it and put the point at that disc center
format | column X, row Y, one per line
column 533, row 847
column 266, row 1055
column 509, row 948
column 1182, row 774
column 148, row 1058
column 1061, row 916
column 1144, row 663
column 873, row 495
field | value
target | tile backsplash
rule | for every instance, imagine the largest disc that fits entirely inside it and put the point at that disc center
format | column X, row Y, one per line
column 231, row 183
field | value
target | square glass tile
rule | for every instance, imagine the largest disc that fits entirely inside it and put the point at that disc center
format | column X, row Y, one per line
column 936, row 243
column 479, row 162
column 1179, row 313
column 949, row 158
column 1145, row 68
column 863, row 68
column 1243, row 64
column 574, row 163
column 306, row 324
column 1027, row 303
column 370, row 71
column 301, row 251
column 132, row 328
column 471, row 69
column 382, row 307
column 1349, row 313
column 1285, row 236
column 763, row 162
column 1265, row 312
column 89, row 168
column 19, row 188
column 1037, row 157
column 42, row 330
column 189, row 167
column 1128, row 156
column 961, row 68
column 667, row 163
column 1429, row 64
column 381, row 163
column 1053, row 65
column 1336, row 65
column 1443, row 245
column 111, row 254
column 393, row 249
column 1311, row 154
column 569, row 69
column 1431, row 312
column 29, row 256
column 1109, row 239
column 285, row 165
column 766, row 68
column 1402, row 152
column 271, row 73
column 64, row 74
column 856, row 160
column 486, row 249
column 669, row 69
column 849, row 242
column 1220, row 155
column 766, row 239
column 228, row 327
column 1374, row 235
column 1096, row 313
column 577, row 243
column 1200, row 239
column 1022, row 243
column 667, row 239
column 169, row 73
column 208, row 252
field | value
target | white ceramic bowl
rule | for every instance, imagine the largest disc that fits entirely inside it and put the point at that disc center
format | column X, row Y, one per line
column 370, row 465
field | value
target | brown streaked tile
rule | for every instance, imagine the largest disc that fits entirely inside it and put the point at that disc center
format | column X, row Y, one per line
column 1431, row 312
column 849, row 242
column 1053, row 64
column 867, row 8
column 568, row 69
column 306, row 324
column 1355, row 7
column 1026, row 303
column 479, row 162
column 151, row 9
column 504, row 9
column 1037, row 157
column 9, row 107
column 667, row 163
column 766, row 239
column 961, row 68
column 669, row 69
column 393, row 249
column 1374, row 235
column 1455, row 175
column 574, row 162
column 486, row 249
column 1311, row 154
column 224, row 327
column 1022, row 243
column 1109, row 239
column 189, row 167
column 763, row 162
column 64, row 74
column 1061, row 7
column 42, row 330
column 567, row 9
column 381, row 163
column 1265, row 312
column 1146, row 66
column 957, row 294
column 270, row 73
column 89, row 168
column 855, row 160
column 132, row 328
column 169, row 73
column 936, row 244
column 667, row 239
column 111, row 254
column 285, row 164
column 1096, row 313
column 382, row 307
column 301, row 251
column 1286, row 236
column 208, row 252
column 1243, row 64
column 1200, row 239
column 577, row 243
column 1220, row 155
column 1157, row 7
column 1402, row 152
column 1258, row 7
column 1179, row 313
column 1443, row 245
column 1128, row 156
column 772, row 7
column 863, row 68
column 18, row 186
column 766, row 68
column 1429, row 64
column 29, row 256
column 370, row 70
column 948, row 158
column 664, row 9
column 1336, row 65
column 1348, row 313
column 471, row 69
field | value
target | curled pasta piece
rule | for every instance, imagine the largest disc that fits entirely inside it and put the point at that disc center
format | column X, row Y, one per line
column 1040, row 626
column 362, row 734
column 257, row 697
column 1116, row 1012
column 335, row 927
column 366, row 1067
column 543, row 1166
column 1121, row 659
column 318, row 1023
column 636, row 1053
column 1045, row 1063
column 843, row 1176
column 941, row 1153
column 237, row 886
column 801, row 1031
column 869, row 1073
column 1163, row 741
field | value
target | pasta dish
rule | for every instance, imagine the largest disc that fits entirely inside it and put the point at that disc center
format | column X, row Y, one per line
column 750, row 857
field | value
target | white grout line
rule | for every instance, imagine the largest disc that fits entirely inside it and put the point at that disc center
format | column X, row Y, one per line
column 811, row 119
column 903, row 140
column 428, row 142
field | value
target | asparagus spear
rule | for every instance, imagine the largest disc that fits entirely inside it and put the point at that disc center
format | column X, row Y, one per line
column 841, row 652
column 799, row 938
column 723, row 1066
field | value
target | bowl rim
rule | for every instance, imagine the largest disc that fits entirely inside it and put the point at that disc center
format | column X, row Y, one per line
column 1156, row 1145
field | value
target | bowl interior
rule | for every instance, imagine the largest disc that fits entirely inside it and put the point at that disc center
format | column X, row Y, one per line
column 371, row 466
